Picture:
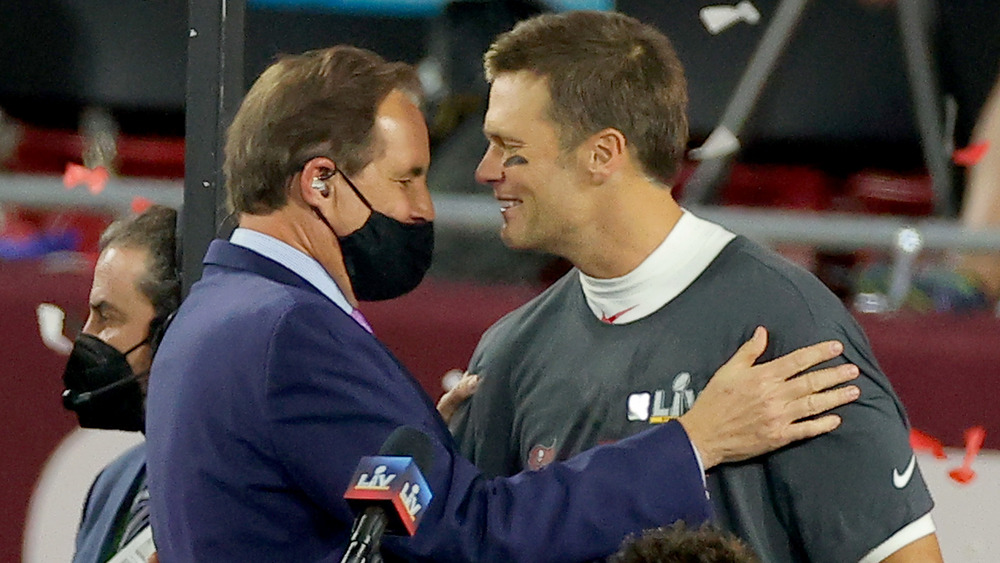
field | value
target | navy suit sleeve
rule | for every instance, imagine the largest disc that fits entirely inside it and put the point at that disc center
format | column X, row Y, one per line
column 577, row 510
column 333, row 396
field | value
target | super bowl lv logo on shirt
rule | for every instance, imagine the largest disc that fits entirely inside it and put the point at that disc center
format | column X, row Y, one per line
column 662, row 405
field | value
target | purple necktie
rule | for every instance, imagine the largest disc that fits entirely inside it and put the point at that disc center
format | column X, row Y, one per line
column 357, row 316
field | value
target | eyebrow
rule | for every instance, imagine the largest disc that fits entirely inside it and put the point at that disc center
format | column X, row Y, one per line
column 506, row 139
column 415, row 172
column 105, row 308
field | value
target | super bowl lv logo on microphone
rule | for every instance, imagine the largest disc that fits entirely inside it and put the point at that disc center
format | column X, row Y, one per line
column 395, row 482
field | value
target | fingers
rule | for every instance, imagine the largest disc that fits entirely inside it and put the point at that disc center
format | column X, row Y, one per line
column 748, row 353
column 816, row 397
column 746, row 409
column 796, row 362
column 815, row 403
column 450, row 401
column 811, row 428
column 823, row 379
column 466, row 387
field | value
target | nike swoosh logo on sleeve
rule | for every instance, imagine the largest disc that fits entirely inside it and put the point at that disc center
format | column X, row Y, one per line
column 900, row 480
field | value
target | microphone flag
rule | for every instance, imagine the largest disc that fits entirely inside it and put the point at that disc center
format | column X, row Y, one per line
column 395, row 484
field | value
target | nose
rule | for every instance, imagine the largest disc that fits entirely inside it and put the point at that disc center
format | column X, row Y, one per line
column 421, row 206
column 489, row 170
column 90, row 326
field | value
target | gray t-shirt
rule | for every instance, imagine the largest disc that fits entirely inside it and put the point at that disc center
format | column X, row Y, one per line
column 557, row 380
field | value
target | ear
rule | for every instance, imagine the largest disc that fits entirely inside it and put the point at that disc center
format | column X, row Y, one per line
column 313, row 182
column 607, row 153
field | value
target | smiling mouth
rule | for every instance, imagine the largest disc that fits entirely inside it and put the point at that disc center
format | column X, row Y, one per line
column 508, row 204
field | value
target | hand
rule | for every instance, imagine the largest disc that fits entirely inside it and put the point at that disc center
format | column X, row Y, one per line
column 457, row 395
column 747, row 410
column 153, row 558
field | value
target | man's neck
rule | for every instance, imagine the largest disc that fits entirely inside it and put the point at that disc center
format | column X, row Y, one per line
column 304, row 236
column 631, row 222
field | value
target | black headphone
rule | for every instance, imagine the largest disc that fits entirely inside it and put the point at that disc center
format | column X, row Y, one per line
column 158, row 328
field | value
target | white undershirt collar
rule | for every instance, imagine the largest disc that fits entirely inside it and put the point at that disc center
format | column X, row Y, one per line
column 689, row 248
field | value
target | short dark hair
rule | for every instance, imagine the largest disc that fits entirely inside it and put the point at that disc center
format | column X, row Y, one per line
column 318, row 103
column 155, row 231
column 604, row 70
column 680, row 544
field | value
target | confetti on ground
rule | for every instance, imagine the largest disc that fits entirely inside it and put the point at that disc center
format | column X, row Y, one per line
column 973, row 443
column 925, row 442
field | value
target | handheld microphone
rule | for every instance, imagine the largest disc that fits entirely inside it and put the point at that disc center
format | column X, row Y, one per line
column 388, row 492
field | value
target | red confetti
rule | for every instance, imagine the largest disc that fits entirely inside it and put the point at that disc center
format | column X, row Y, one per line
column 973, row 443
column 971, row 154
column 95, row 179
column 140, row 204
column 925, row 442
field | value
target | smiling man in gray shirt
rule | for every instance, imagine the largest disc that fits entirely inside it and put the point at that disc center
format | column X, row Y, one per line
column 586, row 125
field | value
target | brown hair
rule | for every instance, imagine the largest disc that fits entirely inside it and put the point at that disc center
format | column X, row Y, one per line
column 155, row 231
column 679, row 544
column 318, row 103
column 604, row 70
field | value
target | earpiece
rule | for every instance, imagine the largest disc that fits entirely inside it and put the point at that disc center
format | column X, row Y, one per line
column 318, row 184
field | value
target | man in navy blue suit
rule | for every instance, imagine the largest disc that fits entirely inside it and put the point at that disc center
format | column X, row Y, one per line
column 269, row 386
column 135, row 289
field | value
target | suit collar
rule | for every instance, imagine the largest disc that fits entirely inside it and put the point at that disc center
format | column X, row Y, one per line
column 112, row 493
column 224, row 253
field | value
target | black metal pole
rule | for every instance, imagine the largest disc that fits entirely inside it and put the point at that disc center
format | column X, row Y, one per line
column 214, row 91
column 705, row 184
column 915, row 26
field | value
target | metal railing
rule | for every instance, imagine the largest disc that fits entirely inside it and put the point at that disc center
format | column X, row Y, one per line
column 481, row 214
column 904, row 237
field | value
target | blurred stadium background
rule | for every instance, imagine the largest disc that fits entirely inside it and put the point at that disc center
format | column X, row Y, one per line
column 830, row 171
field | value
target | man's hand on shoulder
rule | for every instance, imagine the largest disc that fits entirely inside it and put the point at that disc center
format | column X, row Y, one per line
column 457, row 395
column 747, row 410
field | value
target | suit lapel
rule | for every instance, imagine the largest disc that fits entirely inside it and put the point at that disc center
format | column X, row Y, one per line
column 113, row 491
column 225, row 254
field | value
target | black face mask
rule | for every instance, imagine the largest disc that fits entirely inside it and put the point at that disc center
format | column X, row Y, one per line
column 386, row 258
column 101, row 387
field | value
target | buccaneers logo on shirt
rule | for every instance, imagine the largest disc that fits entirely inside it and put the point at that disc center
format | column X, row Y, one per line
column 540, row 456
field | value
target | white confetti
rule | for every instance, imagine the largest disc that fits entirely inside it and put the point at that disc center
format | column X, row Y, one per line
column 721, row 142
column 720, row 18
column 50, row 325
